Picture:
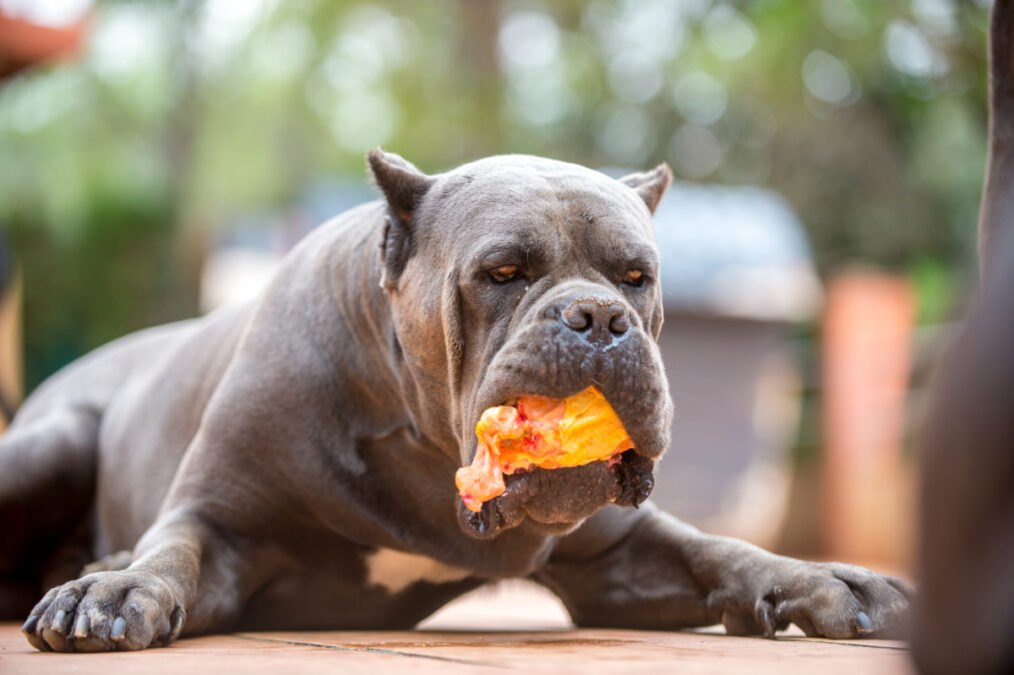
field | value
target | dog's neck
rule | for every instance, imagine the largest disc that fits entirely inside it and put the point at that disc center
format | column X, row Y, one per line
column 366, row 317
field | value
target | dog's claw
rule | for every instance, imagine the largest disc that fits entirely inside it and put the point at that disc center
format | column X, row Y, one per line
column 81, row 627
column 29, row 628
column 865, row 626
column 176, row 621
column 769, row 624
column 30, row 624
column 58, row 622
column 118, row 630
column 764, row 616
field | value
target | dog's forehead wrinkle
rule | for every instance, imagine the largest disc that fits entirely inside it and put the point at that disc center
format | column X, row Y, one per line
column 554, row 219
column 510, row 244
column 532, row 167
column 534, row 180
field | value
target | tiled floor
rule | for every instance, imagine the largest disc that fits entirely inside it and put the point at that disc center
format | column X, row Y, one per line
column 516, row 628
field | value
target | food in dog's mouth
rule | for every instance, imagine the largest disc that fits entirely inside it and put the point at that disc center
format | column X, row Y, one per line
column 538, row 431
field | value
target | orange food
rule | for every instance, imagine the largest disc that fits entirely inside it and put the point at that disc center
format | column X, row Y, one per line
column 549, row 433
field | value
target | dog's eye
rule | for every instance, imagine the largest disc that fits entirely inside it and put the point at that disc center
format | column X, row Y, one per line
column 634, row 278
column 504, row 273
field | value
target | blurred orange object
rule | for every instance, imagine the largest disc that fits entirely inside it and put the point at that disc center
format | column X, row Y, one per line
column 23, row 43
column 11, row 381
column 868, row 487
column 548, row 433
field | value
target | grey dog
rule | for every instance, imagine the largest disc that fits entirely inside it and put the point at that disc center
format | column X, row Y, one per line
column 289, row 464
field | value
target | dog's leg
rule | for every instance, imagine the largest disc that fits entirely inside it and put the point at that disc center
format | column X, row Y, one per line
column 146, row 603
column 193, row 569
column 113, row 562
column 47, row 483
column 997, row 209
column 645, row 569
column 965, row 617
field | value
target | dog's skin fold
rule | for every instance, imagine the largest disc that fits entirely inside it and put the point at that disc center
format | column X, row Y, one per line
column 249, row 469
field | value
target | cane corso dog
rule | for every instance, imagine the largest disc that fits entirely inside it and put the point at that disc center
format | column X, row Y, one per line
column 289, row 464
column 965, row 620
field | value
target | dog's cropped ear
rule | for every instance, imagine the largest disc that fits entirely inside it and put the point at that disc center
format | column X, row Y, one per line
column 403, row 186
column 650, row 185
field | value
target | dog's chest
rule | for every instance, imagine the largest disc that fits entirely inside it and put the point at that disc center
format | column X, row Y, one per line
column 349, row 587
column 395, row 570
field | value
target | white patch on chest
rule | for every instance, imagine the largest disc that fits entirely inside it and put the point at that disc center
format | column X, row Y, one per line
column 396, row 571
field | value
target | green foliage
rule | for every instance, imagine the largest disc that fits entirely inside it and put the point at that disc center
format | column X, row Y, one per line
column 936, row 289
column 117, row 274
column 867, row 114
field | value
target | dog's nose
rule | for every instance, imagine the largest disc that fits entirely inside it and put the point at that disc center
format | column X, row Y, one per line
column 599, row 317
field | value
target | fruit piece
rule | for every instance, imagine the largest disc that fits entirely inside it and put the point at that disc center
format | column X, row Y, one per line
column 548, row 433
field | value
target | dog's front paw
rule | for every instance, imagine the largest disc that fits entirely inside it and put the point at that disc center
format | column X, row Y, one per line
column 105, row 611
column 824, row 599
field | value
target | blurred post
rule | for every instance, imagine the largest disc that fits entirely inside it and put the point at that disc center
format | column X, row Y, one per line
column 868, row 326
column 11, row 381
column 481, row 22
column 24, row 44
column 180, row 137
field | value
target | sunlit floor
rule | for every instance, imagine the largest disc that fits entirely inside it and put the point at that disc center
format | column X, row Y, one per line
column 513, row 627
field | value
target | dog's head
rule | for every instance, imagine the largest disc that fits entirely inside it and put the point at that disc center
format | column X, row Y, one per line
column 518, row 275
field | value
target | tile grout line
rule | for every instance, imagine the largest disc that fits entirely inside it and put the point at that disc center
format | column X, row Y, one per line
column 842, row 643
column 370, row 650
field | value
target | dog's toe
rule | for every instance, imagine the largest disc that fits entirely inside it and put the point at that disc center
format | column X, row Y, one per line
column 103, row 612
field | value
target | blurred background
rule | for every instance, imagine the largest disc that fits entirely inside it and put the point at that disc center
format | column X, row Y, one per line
column 157, row 159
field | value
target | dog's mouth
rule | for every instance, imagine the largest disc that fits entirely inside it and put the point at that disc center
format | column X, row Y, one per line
column 555, row 461
column 559, row 499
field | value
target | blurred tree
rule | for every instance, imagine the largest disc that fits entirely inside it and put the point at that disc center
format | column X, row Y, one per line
column 117, row 169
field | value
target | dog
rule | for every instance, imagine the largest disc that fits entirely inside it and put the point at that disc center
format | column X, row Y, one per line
column 289, row 464
column 965, row 614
